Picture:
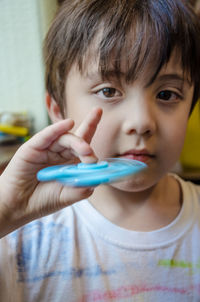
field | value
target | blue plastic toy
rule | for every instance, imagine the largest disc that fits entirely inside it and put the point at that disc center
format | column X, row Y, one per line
column 89, row 175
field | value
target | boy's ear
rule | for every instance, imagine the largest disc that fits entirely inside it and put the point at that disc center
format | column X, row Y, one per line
column 53, row 109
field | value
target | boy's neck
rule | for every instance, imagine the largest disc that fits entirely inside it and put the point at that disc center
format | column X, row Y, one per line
column 142, row 211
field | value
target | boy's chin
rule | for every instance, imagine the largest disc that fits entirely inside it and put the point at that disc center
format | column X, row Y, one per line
column 134, row 184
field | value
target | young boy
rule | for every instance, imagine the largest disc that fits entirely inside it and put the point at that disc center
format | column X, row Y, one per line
column 122, row 78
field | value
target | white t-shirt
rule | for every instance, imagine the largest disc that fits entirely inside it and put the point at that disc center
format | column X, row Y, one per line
column 76, row 255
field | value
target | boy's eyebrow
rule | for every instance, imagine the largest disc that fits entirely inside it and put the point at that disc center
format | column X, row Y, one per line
column 174, row 77
column 111, row 74
column 108, row 74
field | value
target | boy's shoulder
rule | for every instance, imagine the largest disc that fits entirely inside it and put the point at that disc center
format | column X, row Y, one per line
column 189, row 188
column 190, row 200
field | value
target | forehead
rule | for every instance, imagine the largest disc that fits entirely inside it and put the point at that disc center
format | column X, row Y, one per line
column 133, row 54
column 93, row 70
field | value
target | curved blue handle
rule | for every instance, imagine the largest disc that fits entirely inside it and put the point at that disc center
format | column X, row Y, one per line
column 91, row 174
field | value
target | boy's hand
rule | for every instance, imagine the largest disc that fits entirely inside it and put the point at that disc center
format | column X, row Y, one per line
column 22, row 197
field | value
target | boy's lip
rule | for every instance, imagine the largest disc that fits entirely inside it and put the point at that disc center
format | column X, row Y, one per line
column 141, row 155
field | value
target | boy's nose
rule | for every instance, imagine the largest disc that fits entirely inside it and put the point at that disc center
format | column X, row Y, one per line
column 140, row 119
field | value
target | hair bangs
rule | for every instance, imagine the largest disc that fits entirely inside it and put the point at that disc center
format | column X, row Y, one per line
column 139, row 47
column 130, row 38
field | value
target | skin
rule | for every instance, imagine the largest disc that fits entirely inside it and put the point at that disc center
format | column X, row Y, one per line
column 153, row 118
column 22, row 197
column 135, row 117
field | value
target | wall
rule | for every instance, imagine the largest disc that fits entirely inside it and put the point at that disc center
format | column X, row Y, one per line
column 23, row 24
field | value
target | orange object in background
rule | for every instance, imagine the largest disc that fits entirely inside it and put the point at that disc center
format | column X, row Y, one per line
column 190, row 156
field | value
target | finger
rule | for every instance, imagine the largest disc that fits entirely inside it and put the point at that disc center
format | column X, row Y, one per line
column 43, row 139
column 55, row 197
column 88, row 127
column 76, row 194
column 73, row 144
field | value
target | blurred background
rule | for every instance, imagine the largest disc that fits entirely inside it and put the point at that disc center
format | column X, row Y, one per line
column 23, row 25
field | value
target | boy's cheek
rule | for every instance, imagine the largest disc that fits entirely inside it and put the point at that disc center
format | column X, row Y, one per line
column 104, row 144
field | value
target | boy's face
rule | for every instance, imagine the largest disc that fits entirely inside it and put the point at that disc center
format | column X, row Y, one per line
column 139, row 122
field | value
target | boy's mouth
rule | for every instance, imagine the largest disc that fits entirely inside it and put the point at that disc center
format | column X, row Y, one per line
column 142, row 155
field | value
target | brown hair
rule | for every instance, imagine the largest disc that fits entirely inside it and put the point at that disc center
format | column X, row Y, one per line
column 144, row 33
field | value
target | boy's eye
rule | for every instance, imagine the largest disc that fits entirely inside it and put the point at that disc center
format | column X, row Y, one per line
column 109, row 92
column 167, row 95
